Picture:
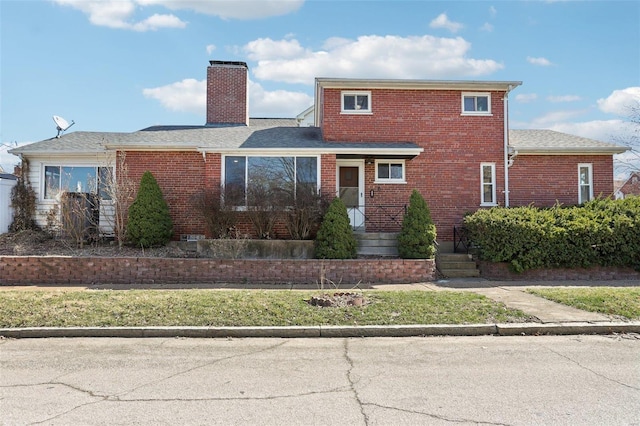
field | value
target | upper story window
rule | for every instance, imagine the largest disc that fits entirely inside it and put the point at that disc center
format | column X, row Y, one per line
column 488, row 184
column 356, row 102
column 585, row 183
column 96, row 180
column 390, row 171
column 476, row 104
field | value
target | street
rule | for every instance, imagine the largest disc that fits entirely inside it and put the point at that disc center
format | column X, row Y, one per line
column 343, row 381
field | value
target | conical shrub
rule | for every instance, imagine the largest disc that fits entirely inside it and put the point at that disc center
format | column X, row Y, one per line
column 335, row 238
column 149, row 223
column 418, row 234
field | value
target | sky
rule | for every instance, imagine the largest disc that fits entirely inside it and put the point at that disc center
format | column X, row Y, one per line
column 123, row 65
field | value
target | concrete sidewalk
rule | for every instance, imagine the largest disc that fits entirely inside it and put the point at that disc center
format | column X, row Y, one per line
column 552, row 318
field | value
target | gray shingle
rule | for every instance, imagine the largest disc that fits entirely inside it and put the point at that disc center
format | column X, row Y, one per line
column 550, row 141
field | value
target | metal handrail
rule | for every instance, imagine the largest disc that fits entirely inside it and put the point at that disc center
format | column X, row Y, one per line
column 460, row 238
column 387, row 215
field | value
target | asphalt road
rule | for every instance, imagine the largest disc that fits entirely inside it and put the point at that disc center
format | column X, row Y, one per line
column 563, row 380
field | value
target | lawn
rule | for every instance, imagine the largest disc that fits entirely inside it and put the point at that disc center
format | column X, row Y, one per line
column 136, row 308
column 623, row 302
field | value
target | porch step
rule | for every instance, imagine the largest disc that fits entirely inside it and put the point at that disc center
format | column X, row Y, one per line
column 453, row 265
column 377, row 243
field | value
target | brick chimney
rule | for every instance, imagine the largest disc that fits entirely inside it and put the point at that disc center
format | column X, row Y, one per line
column 227, row 95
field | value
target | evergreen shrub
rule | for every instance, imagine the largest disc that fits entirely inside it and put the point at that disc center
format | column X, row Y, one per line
column 335, row 239
column 418, row 234
column 149, row 223
column 602, row 232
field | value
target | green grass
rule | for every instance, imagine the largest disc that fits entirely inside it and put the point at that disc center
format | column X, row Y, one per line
column 622, row 302
column 135, row 308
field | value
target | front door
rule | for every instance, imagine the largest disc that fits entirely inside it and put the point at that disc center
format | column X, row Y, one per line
column 350, row 190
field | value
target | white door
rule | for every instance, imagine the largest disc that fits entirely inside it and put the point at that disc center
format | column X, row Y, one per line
column 350, row 180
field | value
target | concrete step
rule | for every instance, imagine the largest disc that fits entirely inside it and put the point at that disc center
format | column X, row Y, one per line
column 457, row 265
column 377, row 243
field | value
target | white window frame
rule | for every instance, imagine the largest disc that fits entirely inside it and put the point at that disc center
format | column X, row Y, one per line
column 484, row 202
column 355, row 93
column 476, row 95
column 380, row 180
column 589, row 184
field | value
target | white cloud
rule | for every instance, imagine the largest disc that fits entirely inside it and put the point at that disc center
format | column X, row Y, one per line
column 416, row 57
column 526, row 97
column 493, row 11
column 120, row 14
column 487, row 27
column 210, row 48
column 543, row 62
column 442, row 21
column 554, row 118
column 621, row 102
column 564, row 98
column 189, row 95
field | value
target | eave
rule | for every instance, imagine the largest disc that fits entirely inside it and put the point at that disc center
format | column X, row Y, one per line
column 348, row 83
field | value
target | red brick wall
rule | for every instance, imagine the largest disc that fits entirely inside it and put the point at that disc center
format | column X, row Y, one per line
column 500, row 271
column 227, row 94
column 181, row 177
column 546, row 179
column 447, row 173
column 23, row 270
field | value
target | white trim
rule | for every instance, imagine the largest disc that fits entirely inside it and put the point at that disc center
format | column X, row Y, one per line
column 483, row 183
column 356, row 93
column 356, row 216
column 589, row 167
column 476, row 95
column 357, row 83
column 389, row 179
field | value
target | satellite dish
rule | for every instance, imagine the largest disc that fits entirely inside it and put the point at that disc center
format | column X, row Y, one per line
column 61, row 124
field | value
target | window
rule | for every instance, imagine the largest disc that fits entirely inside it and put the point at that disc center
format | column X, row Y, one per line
column 390, row 171
column 356, row 102
column 585, row 187
column 256, row 181
column 76, row 179
column 488, row 184
column 476, row 104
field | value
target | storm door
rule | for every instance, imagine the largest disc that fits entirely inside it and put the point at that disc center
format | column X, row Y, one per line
column 351, row 190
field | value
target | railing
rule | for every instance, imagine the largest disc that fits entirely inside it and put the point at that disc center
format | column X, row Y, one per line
column 377, row 217
column 460, row 239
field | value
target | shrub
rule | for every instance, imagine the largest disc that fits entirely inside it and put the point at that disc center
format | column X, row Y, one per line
column 418, row 234
column 601, row 232
column 220, row 218
column 335, row 238
column 23, row 201
column 149, row 221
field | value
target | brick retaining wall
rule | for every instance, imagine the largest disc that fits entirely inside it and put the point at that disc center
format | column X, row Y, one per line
column 500, row 271
column 31, row 270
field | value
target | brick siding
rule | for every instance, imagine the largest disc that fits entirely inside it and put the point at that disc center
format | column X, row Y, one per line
column 42, row 270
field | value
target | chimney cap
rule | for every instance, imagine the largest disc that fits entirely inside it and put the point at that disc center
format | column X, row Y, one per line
column 228, row 63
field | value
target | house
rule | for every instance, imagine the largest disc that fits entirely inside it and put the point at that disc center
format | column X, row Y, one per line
column 629, row 187
column 373, row 142
column 7, row 182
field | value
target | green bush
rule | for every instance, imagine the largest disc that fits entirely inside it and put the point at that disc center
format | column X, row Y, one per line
column 601, row 232
column 149, row 223
column 418, row 234
column 335, row 238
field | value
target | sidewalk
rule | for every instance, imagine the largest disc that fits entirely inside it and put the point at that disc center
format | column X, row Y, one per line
column 554, row 318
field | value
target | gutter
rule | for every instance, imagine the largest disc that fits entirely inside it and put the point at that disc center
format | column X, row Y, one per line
column 505, row 102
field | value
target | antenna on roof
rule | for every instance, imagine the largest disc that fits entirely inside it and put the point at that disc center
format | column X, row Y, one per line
column 61, row 124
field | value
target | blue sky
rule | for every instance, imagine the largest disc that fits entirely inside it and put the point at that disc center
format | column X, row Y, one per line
column 123, row 65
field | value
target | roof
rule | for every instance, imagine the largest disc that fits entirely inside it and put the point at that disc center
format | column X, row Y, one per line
column 358, row 83
column 262, row 135
column 550, row 142
column 8, row 176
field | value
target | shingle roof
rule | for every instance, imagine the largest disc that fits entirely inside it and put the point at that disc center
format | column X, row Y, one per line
column 261, row 134
column 542, row 141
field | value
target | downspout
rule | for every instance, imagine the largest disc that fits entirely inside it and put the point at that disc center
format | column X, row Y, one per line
column 505, row 102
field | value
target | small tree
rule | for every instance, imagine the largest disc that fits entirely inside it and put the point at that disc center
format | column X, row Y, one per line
column 119, row 190
column 149, row 221
column 219, row 217
column 335, row 238
column 418, row 234
column 23, row 201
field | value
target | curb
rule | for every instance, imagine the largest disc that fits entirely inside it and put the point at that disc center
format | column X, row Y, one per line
column 516, row 329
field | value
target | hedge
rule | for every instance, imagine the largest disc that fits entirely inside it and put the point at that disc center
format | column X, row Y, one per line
column 601, row 232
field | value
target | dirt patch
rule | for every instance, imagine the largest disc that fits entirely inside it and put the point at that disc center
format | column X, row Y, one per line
column 36, row 243
column 338, row 300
